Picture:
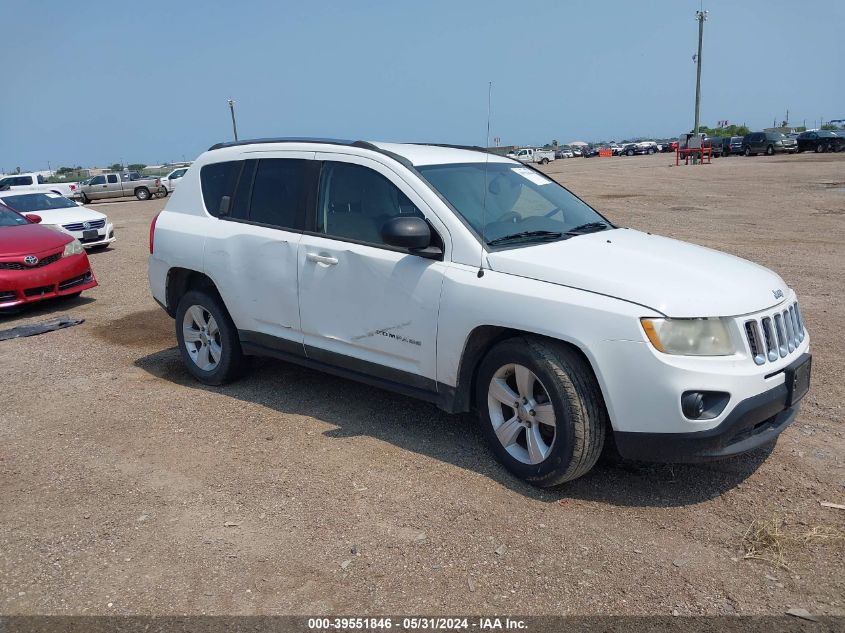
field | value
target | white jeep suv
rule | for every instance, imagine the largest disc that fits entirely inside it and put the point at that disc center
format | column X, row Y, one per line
column 476, row 282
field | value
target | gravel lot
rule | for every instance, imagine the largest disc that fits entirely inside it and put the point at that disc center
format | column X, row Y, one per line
column 126, row 487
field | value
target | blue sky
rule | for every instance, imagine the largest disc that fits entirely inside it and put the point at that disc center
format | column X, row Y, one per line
column 93, row 83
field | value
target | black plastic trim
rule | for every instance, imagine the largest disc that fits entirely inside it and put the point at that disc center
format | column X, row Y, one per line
column 753, row 422
column 398, row 381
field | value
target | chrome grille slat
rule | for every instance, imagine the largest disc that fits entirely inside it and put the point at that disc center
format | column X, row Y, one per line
column 752, row 332
column 790, row 336
column 775, row 335
column 78, row 226
column 769, row 337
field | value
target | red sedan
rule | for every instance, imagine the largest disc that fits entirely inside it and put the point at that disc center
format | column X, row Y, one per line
column 39, row 262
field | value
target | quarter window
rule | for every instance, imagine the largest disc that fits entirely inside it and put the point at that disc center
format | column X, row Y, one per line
column 218, row 180
column 355, row 202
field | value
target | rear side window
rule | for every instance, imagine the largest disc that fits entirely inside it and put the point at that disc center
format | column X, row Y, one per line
column 269, row 191
column 112, row 178
column 278, row 193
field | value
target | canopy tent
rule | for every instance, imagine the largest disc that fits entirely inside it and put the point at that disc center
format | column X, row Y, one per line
column 578, row 143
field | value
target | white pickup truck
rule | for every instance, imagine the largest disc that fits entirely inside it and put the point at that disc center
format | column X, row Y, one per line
column 532, row 155
column 37, row 182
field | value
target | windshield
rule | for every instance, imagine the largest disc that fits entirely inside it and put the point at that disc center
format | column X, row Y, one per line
column 516, row 200
column 26, row 203
column 10, row 218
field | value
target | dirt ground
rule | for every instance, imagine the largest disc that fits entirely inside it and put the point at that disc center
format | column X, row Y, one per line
column 127, row 487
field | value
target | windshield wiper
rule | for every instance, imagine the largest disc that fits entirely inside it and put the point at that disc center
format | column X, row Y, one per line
column 525, row 235
column 589, row 227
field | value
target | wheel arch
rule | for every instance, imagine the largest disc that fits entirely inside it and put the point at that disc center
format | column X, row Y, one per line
column 479, row 342
column 180, row 281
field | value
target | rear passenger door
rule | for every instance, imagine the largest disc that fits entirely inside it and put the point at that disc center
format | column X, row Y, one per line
column 367, row 306
column 251, row 250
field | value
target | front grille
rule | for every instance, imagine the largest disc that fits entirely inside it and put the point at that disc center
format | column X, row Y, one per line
column 75, row 281
column 40, row 290
column 21, row 266
column 94, row 224
column 775, row 335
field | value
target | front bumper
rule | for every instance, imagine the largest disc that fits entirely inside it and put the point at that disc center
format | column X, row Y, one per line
column 67, row 276
column 753, row 422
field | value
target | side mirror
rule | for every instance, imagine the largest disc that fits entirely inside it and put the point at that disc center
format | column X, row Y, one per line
column 32, row 218
column 408, row 232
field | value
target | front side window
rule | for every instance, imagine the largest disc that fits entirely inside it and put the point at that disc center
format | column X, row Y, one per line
column 177, row 174
column 355, row 202
column 507, row 202
column 98, row 180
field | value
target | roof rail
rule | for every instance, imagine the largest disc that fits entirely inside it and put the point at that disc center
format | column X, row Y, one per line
column 294, row 139
column 323, row 141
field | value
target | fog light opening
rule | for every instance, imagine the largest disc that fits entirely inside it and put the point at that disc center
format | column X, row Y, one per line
column 703, row 405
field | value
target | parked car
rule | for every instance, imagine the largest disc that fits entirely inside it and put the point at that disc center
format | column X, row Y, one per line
column 410, row 267
column 588, row 151
column 532, row 155
column 172, row 179
column 715, row 143
column 733, row 145
column 820, row 141
column 38, row 262
column 642, row 147
column 37, row 182
column 767, row 143
column 577, row 151
column 90, row 227
column 616, row 148
column 116, row 185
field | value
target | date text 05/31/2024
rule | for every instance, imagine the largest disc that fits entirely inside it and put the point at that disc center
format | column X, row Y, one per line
column 415, row 623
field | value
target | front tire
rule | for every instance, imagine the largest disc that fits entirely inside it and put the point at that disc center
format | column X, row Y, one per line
column 142, row 193
column 208, row 339
column 541, row 410
column 747, row 151
column 819, row 148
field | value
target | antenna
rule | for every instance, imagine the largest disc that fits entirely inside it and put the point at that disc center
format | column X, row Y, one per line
column 484, row 195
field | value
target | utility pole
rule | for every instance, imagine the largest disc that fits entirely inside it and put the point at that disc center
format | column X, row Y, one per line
column 701, row 16
column 234, row 125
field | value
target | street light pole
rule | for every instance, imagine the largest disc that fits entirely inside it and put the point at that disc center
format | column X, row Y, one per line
column 234, row 125
column 701, row 16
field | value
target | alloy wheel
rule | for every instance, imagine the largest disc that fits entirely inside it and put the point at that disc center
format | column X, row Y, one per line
column 202, row 338
column 521, row 413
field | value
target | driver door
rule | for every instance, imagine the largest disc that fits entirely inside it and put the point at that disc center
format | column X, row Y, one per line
column 366, row 306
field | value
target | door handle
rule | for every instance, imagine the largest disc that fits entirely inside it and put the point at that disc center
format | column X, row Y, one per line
column 321, row 259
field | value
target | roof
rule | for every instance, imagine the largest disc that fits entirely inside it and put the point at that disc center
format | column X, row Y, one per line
column 414, row 153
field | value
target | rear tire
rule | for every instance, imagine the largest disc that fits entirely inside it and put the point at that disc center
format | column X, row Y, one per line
column 544, row 161
column 142, row 193
column 554, row 429
column 212, row 352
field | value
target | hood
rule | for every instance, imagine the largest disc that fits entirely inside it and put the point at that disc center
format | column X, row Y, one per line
column 672, row 277
column 30, row 239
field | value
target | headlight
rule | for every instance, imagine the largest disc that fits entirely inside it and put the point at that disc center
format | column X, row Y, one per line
column 689, row 337
column 73, row 248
